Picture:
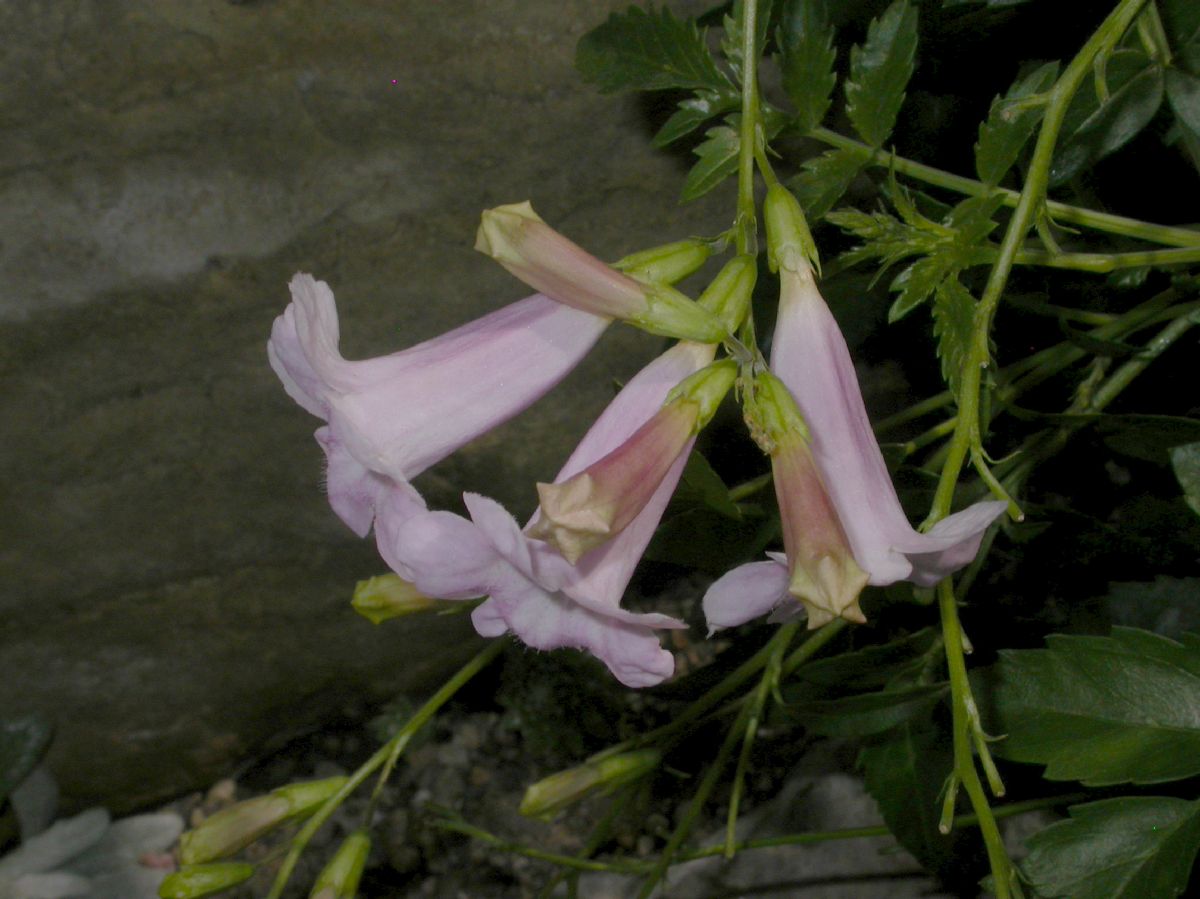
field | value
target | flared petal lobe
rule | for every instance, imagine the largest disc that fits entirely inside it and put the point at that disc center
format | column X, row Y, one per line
column 810, row 356
column 532, row 591
column 391, row 417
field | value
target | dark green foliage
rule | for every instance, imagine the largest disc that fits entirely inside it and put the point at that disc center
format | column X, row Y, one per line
column 905, row 772
column 1186, row 462
column 1135, row 847
column 953, row 326
column 1102, row 710
column 648, row 50
column 1094, row 128
column 718, row 160
column 1009, row 125
column 879, row 72
column 823, row 179
column 806, row 59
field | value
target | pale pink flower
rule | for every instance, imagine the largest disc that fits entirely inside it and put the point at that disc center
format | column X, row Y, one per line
column 391, row 417
column 810, row 356
column 531, row 590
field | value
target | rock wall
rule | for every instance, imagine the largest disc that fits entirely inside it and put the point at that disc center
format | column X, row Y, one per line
column 175, row 589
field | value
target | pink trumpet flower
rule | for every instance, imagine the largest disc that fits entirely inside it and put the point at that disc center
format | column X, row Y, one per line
column 810, row 356
column 390, row 418
column 531, row 590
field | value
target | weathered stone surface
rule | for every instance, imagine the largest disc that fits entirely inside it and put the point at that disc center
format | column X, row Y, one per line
column 174, row 587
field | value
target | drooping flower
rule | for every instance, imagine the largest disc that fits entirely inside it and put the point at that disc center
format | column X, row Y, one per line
column 531, row 590
column 581, row 512
column 810, row 356
column 390, row 418
column 517, row 238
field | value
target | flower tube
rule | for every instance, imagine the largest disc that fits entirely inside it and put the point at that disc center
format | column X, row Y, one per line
column 517, row 238
column 531, row 590
column 810, row 356
column 391, row 417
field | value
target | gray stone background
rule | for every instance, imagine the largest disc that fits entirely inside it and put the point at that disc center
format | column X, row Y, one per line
column 173, row 587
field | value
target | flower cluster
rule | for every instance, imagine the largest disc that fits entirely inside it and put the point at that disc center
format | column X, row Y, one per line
column 559, row 580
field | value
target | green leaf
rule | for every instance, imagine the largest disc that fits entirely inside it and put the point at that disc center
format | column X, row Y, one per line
column 1181, row 21
column 23, row 741
column 701, row 487
column 867, row 713
column 1135, row 84
column 905, row 772
column 875, row 666
column 1009, row 127
column 1183, row 93
column 916, row 283
column 694, row 112
column 806, row 59
column 718, row 160
column 1128, row 848
column 647, row 50
column 879, row 72
column 1146, row 437
column 1102, row 710
column 954, row 328
column 1186, row 462
column 707, row 541
column 731, row 43
column 822, row 181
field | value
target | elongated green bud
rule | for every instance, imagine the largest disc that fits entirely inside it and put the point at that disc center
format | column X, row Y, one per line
column 236, row 827
column 667, row 264
column 339, row 878
column 706, row 388
column 728, row 295
column 389, row 596
column 552, row 794
column 789, row 242
column 193, row 881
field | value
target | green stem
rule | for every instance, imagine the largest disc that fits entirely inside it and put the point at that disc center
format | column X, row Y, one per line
column 457, row 825
column 1076, row 215
column 964, row 762
column 419, row 719
column 758, row 701
column 966, row 439
column 1032, row 196
column 746, row 221
column 777, row 645
column 1102, row 263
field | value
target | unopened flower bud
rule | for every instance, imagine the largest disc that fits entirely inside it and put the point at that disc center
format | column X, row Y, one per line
column 389, row 596
column 728, row 296
column 552, row 794
column 193, row 881
column 339, row 878
column 517, row 238
column 236, row 827
column 589, row 509
column 667, row 264
column 789, row 242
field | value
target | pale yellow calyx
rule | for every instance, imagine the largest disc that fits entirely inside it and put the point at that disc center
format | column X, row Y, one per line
column 829, row 588
column 573, row 518
column 501, row 231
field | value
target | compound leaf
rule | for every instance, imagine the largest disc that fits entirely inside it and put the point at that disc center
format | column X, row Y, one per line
column 879, row 72
column 1009, row 126
column 1102, row 710
column 807, row 58
column 648, row 50
column 1126, row 848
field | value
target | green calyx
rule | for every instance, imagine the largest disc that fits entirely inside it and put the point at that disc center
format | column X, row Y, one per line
column 706, row 388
